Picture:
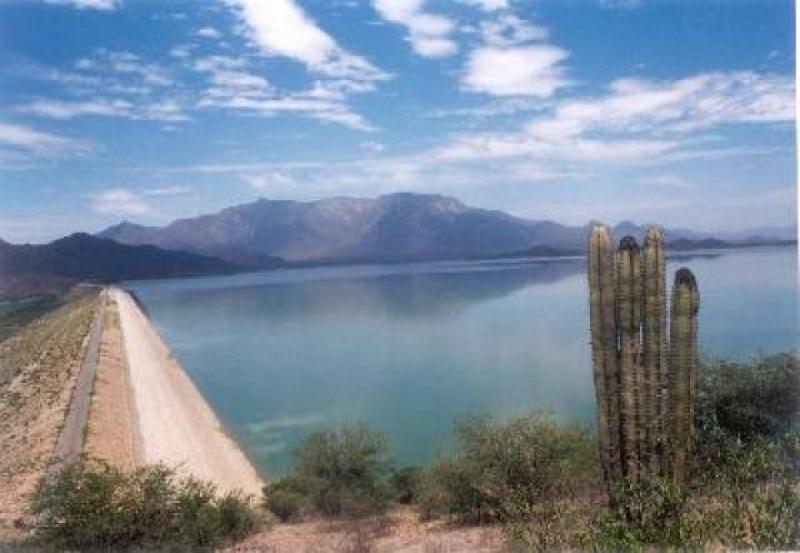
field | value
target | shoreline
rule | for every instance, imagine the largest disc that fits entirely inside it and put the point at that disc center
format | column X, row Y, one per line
column 173, row 422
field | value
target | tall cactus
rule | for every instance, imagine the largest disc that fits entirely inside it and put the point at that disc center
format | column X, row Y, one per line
column 644, row 391
column 629, row 319
column 603, row 305
column 683, row 358
column 655, row 365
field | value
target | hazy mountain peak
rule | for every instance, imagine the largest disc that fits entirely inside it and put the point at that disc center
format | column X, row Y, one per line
column 391, row 227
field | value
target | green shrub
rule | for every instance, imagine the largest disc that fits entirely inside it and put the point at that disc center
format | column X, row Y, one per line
column 403, row 484
column 289, row 499
column 500, row 470
column 761, row 398
column 339, row 472
column 91, row 504
column 744, row 494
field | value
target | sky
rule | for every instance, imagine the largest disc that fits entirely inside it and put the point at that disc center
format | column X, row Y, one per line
column 675, row 112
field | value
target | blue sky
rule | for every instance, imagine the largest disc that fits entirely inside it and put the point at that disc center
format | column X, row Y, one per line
column 679, row 112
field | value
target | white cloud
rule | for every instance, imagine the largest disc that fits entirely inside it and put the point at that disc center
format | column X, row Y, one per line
column 267, row 181
column 168, row 190
column 514, row 60
column 208, row 32
column 57, row 109
column 487, row 5
column 483, row 146
column 163, row 110
column 234, row 87
column 282, row 28
column 300, row 103
column 666, row 181
column 120, row 202
column 126, row 62
column 636, row 121
column 516, row 71
column 87, row 4
column 673, row 107
column 40, row 143
column 509, row 30
column 372, row 147
column 429, row 34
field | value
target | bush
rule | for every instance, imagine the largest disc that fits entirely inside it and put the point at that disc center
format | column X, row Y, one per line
column 750, row 400
column 403, row 484
column 744, row 494
column 336, row 472
column 91, row 504
column 501, row 470
column 289, row 499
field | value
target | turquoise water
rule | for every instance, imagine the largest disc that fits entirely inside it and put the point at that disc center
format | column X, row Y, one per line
column 410, row 348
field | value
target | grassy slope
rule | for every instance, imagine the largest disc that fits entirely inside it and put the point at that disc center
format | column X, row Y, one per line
column 38, row 366
column 14, row 315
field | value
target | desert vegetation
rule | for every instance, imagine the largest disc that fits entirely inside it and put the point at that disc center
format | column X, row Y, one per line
column 644, row 388
column 38, row 365
column 541, row 481
column 92, row 504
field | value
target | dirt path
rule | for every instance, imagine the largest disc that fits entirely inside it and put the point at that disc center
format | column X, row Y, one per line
column 70, row 441
column 112, row 432
column 176, row 425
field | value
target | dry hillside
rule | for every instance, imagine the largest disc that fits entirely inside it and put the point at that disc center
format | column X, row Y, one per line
column 38, row 366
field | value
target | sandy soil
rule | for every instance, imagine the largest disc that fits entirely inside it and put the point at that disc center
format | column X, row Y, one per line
column 112, row 428
column 400, row 531
column 176, row 425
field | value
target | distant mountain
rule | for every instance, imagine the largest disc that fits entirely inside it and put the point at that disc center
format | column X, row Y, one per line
column 394, row 227
column 388, row 228
column 701, row 244
column 51, row 268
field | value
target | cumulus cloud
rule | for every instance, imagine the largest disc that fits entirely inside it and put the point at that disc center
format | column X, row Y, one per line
column 282, row 28
column 514, row 60
column 516, row 71
column 430, row 35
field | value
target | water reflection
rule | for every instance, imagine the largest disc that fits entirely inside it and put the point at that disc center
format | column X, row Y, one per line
column 410, row 348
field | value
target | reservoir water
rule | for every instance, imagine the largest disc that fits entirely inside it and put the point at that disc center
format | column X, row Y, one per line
column 410, row 348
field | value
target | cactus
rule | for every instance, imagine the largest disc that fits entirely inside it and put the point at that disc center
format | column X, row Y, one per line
column 603, row 305
column 629, row 318
column 683, row 358
column 654, row 350
column 644, row 390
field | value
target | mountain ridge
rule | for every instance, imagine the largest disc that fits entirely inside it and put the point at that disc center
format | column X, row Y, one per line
column 52, row 268
column 392, row 227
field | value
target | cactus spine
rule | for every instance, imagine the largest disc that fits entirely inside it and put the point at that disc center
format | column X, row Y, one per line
column 644, row 390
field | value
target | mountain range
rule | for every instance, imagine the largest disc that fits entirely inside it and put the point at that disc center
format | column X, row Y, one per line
column 271, row 233
column 52, row 268
column 390, row 228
